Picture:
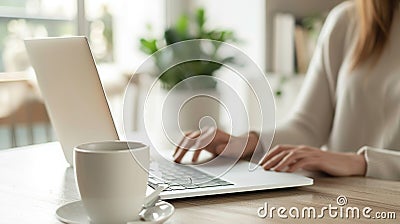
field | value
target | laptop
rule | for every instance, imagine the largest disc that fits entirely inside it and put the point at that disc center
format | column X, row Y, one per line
column 78, row 109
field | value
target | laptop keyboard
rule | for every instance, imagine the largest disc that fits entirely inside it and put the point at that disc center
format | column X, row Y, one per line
column 179, row 177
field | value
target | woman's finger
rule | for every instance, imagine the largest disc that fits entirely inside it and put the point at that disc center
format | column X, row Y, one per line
column 187, row 143
column 206, row 138
column 275, row 160
column 181, row 142
column 196, row 155
column 291, row 158
column 275, row 151
column 180, row 154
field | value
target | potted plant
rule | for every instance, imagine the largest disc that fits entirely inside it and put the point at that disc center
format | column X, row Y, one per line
column 173, row 80
column 182, row 31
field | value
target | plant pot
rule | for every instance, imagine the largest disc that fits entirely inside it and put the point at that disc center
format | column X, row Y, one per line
column 186, row 110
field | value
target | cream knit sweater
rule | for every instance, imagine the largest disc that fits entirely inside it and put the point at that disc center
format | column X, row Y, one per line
column 349, row 110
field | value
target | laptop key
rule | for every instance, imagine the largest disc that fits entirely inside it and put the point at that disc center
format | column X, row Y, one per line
column 180, row 177
column 190, row 186
column 155, row 181
column 177, row 188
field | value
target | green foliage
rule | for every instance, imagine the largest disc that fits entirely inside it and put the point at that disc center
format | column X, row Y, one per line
column 182, row 31
column 148, row 46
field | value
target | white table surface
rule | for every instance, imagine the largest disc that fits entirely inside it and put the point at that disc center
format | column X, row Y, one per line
column 36, row 180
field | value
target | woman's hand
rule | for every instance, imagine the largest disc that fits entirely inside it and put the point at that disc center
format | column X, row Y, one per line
column 216, row 142
column 290, row 158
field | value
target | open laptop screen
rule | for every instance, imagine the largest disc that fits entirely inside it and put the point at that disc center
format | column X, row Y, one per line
column 74, row 97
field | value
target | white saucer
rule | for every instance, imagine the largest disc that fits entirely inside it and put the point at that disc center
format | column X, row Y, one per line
column 74, row 213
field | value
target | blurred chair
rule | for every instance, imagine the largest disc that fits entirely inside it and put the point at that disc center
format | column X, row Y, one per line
column 21, row 104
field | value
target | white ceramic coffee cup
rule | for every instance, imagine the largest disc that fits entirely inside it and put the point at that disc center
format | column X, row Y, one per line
column 112, row 179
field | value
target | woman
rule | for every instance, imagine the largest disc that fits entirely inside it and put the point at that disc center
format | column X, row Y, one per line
column 349, row 104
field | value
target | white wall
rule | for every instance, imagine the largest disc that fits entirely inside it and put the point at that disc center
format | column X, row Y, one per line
column 130, row 19
column 246, row 18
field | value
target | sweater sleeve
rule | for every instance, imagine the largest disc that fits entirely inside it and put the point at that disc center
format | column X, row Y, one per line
column 381, row 163
column 311, row 119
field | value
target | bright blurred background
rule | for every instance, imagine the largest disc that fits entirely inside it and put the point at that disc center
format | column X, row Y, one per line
column 114, row 28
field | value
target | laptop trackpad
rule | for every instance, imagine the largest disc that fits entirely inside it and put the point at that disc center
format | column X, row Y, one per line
column 244, row 172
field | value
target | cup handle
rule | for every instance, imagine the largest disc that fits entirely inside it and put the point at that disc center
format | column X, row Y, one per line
column 150, row 200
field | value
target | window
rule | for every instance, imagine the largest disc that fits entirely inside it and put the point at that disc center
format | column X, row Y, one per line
column 21, row 19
